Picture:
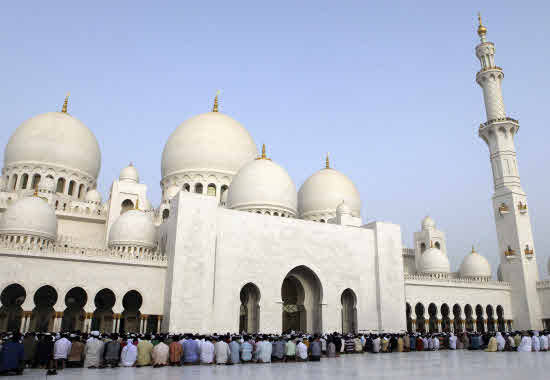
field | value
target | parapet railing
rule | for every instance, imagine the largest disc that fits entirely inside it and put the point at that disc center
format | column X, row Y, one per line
column 82, row 253
column 458, row 280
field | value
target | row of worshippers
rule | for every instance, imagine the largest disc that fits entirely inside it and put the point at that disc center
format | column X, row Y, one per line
column 95, row 350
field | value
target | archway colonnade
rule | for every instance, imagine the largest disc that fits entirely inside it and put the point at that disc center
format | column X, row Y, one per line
column 456, row 318
column 75, row 311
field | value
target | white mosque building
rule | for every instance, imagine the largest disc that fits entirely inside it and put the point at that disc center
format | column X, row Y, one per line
column 234, row 246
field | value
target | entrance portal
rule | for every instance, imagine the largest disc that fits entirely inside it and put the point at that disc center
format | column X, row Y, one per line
column 302, row 295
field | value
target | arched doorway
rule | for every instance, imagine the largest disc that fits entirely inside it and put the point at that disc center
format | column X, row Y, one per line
column 43, row 315
column 302, row 295
column 126, row 205
column 432, row 311
column 500, row 319
column 490, row 318
column 102, row 319
column 249, row 311
column 469, row 318
column 74, row 315
column 420, row 321
column 457, row 318
column 480, row 326
column 408, row 312
column 130, row 318
column 445, row 319
column 349, row 311
column 11, row 313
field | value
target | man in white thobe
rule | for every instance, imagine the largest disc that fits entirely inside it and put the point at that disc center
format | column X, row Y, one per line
column 536, row 342
column 61, row 349
column 525, row 345
column 500, row 341
column 129, row 354
column 221, row 352
column 207, row 352
column 93, row 352
column 265, row 349
column 452, row 342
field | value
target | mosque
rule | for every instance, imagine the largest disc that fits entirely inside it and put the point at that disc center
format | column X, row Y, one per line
column 233, row 246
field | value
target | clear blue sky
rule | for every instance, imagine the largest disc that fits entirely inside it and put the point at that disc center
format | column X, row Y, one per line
column 387, row 87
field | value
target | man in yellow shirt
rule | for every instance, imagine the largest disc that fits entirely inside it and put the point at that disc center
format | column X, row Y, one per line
column 145, row 348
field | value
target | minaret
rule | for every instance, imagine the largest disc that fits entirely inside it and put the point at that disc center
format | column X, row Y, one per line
column 515, row 239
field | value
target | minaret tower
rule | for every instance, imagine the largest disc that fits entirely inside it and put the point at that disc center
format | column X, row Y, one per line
column 515, row 239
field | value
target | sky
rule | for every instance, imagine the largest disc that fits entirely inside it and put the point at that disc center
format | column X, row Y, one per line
column 387, row 87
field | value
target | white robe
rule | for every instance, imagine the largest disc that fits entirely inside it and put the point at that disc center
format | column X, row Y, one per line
column 544, row 342
column 129, row 355
column 93, row 352
column 435, row 342
column 536, row 342
column 525, row 344
column 376, row 345
column 500, row 342
column 207, row 352
column 452, row 342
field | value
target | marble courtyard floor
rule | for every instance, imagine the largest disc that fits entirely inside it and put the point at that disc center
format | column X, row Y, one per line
column 416, row 365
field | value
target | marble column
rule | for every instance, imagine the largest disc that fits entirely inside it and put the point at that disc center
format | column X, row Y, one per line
column 452, row 325
column 159, row 323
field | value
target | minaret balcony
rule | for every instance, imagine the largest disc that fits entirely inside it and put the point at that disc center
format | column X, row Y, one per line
column 529, row 253
column 522, row 207
column 510, row 254
column 501, row 120
column 503, row 209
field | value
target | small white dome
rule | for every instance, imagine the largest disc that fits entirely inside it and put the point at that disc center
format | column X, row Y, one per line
column 46, row 184
column 343, row 209
column 55, row 138
column 210, row 141
column 30, row 216
column 172, row 191
column 263, row 184
column 93, row 196
column 433, row 260
column 133, row 228
column 428, row 223
column 324, row 191
column 475, row 265
column 129, row 174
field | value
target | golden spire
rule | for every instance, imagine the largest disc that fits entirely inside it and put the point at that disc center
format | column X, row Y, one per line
column 481, row 30
column 65, row 103
column 263, row 156
column 216, row 105
column 327, row 163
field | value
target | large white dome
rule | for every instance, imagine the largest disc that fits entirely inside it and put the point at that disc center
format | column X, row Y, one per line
column 263, row 185
column 433, row 260
column 55, row 138
column 133, row 228
column 324, row 191
column 30, row 216
column 474, row 266
column 210, row 141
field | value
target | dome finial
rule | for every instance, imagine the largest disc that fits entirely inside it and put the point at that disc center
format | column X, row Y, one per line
column 65, row 103
column 327, row 162
column 481, row 30
column 216, row 103
column 263, row 156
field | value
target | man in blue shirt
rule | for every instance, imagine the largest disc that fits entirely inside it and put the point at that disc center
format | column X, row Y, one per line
column 191, row 351
column 12, row 356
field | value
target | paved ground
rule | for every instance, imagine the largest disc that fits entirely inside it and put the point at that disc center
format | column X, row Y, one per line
column 416, row 365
